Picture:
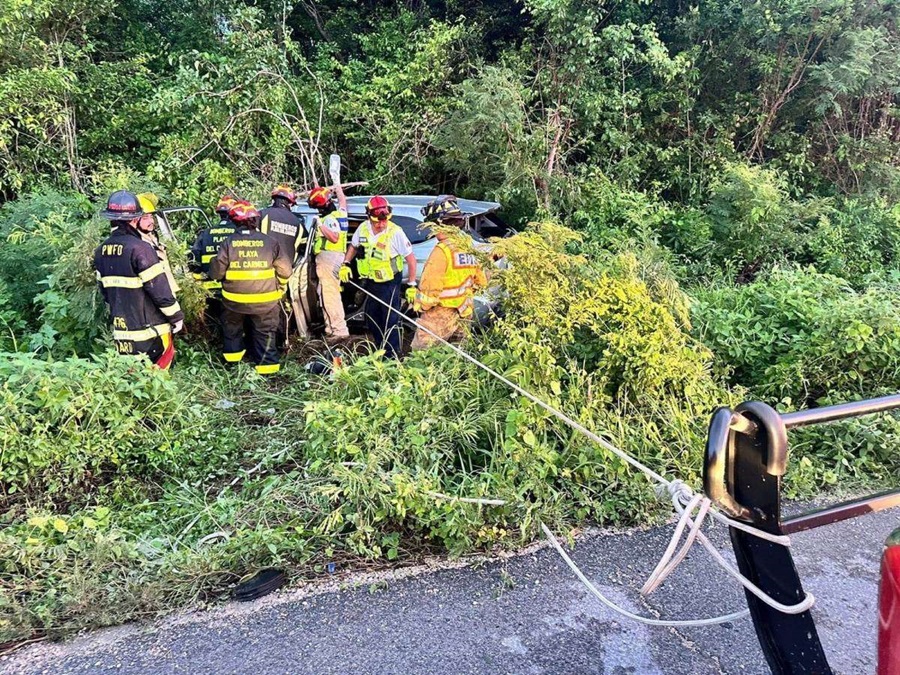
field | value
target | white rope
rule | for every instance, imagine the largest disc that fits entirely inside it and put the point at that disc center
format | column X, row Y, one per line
column 685, row 502
column 531, row 397
column 683, row 498
column 624, row 612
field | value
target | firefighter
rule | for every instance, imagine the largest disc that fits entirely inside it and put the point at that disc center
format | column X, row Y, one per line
column 142, row 306
column 285, row 227
column 282, row 224
column 384, row 248
column 253, row 270
column 204, row 250
column 149, row 203
column 330, row 247
column 450, row 277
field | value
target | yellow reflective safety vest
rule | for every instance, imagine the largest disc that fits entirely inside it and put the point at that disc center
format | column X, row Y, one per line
column 462, row 274
column 323, row 244
column 253, row 269
column 376, row 262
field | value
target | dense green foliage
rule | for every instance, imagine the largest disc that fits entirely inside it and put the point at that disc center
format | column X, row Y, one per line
column 812, row 335
column 520, row 101
column 71, row 427
column 729, row 178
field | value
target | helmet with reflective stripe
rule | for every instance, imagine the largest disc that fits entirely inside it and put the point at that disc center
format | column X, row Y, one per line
column 148, row 202
column 378, row 208
column 243, row 212
column 318, row 198
column 442, row 208
column 122, row 205
column 284, row 192
column 225, row 204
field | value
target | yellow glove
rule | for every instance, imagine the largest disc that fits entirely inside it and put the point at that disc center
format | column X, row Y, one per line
column 345, row 273
column 411, row 294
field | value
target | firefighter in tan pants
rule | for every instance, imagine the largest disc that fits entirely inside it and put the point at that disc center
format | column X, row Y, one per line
column 449, row 280
column 329, row 249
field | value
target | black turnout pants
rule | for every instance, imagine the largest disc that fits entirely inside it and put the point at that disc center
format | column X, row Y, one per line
column 255, row 333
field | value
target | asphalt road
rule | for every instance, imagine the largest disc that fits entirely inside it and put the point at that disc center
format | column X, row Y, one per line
column 526, row 614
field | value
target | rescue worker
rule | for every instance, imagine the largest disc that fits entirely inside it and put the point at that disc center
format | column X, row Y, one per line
column 282, row 224
column 253, row 270
column 149, row 203
column 450, row 277
column 142, row 306
column 202, row 252
column 329, row 248
column 384, row 248
column 286, row 228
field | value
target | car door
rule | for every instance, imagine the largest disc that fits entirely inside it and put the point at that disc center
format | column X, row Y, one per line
column 304, row 284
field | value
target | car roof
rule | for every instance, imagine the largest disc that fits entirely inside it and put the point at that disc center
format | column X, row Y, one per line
column 408, row 205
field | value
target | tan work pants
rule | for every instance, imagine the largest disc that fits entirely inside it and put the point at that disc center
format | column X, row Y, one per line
column 442, row 321
column 328, row 264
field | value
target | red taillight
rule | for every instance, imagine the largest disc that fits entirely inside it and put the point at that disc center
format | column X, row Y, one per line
column 889, row 608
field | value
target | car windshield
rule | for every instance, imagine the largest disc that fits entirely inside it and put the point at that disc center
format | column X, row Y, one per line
column 412, row 228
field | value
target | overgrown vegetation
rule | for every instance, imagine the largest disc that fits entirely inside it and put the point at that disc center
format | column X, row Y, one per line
column 713, row 205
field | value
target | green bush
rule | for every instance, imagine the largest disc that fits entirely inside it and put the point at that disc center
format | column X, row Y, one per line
column 801, row 335
column 845, row 455
column 856, row 239
column 70, row 429
column 34, row 231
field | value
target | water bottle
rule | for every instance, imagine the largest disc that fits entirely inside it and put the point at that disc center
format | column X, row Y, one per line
column 334, row 168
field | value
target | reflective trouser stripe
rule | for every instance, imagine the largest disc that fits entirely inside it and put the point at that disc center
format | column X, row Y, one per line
column 152, row 272
column 144, row 334
column 268, row 369
column 121, row 282
column 248, row 275
column 252, row 298
column 171, row 310
column 234, row 357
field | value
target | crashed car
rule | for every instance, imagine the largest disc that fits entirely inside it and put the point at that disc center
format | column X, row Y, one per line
column 482, row 224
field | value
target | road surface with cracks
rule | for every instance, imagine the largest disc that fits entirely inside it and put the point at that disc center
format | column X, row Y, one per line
column 525, row 614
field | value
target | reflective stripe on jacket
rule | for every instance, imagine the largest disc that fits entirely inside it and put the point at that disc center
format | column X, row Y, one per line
column 253, row 270
column 322, row 243
column 163, row 256
column 449, row 279
column 204, row 250
column 376, row 262
column 283, row 226
column 134, row 284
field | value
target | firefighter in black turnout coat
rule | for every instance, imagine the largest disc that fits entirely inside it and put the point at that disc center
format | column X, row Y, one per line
column 142, row 306
column 204, row 249
column 254, row 270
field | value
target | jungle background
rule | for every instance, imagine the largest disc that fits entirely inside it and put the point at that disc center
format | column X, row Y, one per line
column 709, row 204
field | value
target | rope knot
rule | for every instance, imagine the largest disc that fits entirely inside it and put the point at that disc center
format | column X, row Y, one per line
column 680, row 490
